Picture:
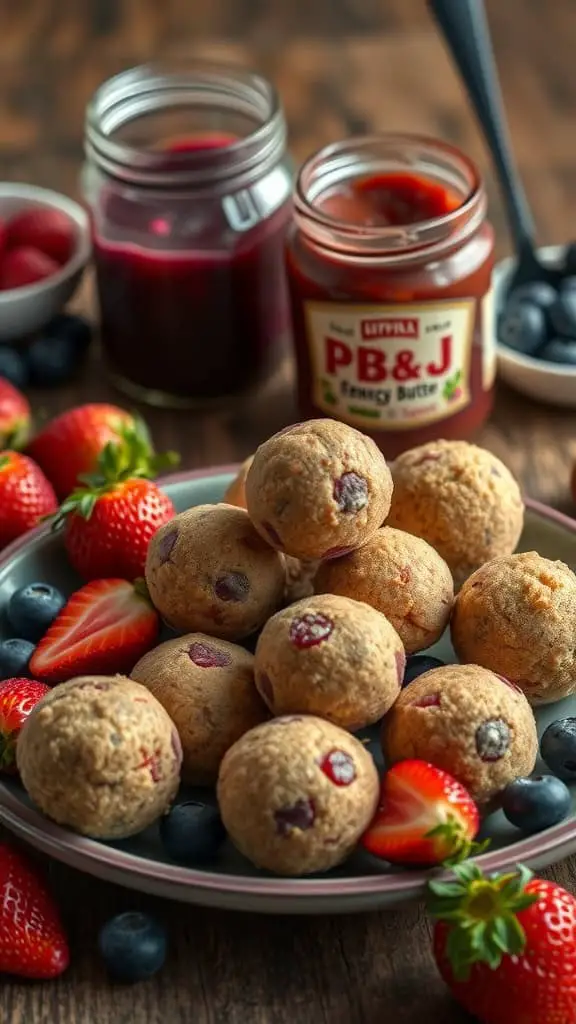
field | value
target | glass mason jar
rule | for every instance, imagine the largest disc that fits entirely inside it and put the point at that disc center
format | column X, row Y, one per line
column 189, row 187
column 389, row 265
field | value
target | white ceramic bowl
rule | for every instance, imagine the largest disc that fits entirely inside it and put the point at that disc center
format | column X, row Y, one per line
column 546, row 382
column 26, row 310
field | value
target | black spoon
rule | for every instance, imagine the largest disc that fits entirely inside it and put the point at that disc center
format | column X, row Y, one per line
column 465, row 30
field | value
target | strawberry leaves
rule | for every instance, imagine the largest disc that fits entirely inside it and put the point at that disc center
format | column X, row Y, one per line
column 482, row 915
column 454, row 842
column 132, row 457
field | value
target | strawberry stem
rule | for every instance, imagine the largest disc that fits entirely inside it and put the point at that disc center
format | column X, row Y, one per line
column 453, row 843
column 132, row 457
column 481, row 914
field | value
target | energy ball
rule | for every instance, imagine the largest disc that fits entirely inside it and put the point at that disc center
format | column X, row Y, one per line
column 330, row 656
column 318, row 489
column 296, row 794
column 516, row 616
column 401, row 576
column 100, row 755
column 209, row 571
column 467, row 721
column 207, row 688
column 461, row 499
column 236, row 490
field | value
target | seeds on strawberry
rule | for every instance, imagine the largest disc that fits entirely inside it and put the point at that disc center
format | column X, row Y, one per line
column 17, row 698
column 25, row 496
column 32, row 941
column 104, row 628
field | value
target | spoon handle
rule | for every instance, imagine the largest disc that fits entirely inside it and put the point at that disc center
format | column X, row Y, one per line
column 465, row 29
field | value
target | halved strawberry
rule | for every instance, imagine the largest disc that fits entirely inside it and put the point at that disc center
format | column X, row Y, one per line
column 424, row 817
column 104, row 628
column 33, row 943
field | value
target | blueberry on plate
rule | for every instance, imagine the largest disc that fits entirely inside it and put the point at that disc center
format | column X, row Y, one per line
column 33, row 608
column 68, row 325
column 192, row 831
column 13, row 367
column 558, row 748
column 14, row 657
column 53, row 361
column 417, row 665
column 522, row 327
column 559, row 350
column 536, row 803
column 541, row 293
column 563, row 313
column 132, row 946
column 567, row 284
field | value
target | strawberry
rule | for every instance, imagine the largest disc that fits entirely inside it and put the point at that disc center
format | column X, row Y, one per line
column 32, row 941
column 506, row 945
column 104, row 628
column 17, row 698
column 110, row 520
column 15, row 416
column 69, row 446
column 24, row 266
column 26, row 496
column 43, row 228
column 424, row 817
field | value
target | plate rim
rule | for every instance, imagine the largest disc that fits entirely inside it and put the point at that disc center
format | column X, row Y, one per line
column 79, row 850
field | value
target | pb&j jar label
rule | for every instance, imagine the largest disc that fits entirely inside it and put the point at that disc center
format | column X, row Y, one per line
column 392, row 367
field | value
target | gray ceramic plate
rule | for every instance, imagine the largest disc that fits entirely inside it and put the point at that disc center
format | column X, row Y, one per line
column 362, row 883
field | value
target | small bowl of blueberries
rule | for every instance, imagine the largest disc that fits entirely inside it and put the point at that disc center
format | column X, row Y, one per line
column 536, row 327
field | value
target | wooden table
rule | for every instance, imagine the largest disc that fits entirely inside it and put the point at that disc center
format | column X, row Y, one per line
column 342, row 66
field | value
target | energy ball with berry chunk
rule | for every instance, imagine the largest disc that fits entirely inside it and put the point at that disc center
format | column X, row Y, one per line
column 330, row 656
column 467, row 721
column 318, row 489
column 100, row 755
column 209, row 571
column 207, row 687
column 401, row 576
column 296, row 794
column 459, row 498
column 516, row 617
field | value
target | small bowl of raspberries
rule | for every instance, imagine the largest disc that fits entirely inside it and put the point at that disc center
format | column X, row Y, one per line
column 44, row 248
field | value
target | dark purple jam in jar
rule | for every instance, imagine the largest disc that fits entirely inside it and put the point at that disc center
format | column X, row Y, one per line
column 189, row 187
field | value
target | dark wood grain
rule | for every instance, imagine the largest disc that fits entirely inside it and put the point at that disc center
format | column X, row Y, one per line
column 342, row 66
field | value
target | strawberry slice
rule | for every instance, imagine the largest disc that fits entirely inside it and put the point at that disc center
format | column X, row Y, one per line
column 104, row 628
column 32, row 941
column 424, row 817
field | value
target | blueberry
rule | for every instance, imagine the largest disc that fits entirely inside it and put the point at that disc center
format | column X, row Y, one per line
column 563, row 313
column 522, row 326
column 53, row 360
column 567, row 284
column 14, row 658
column 541, row 293
column 559, row 350
column 417, row 665
column 570, row 259
column 558, row 748
column 66, row 325
column 193, row 832
column 13, row 367
column 132, row 946
column 537, row 803
column 33, row 608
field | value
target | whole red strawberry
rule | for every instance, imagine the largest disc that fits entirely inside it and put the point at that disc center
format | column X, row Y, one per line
column 24, row 266
column 43, row 228
column 424, row 816
column 14, row 416
column 110, row 520
column 70, row 445
column 17, row 698
column 26, row 496
column 32, row 941
column 104, row 628
column 506, row 946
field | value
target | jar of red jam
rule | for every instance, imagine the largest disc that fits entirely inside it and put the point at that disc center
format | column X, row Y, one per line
column 389, row 264
column 189, row 187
